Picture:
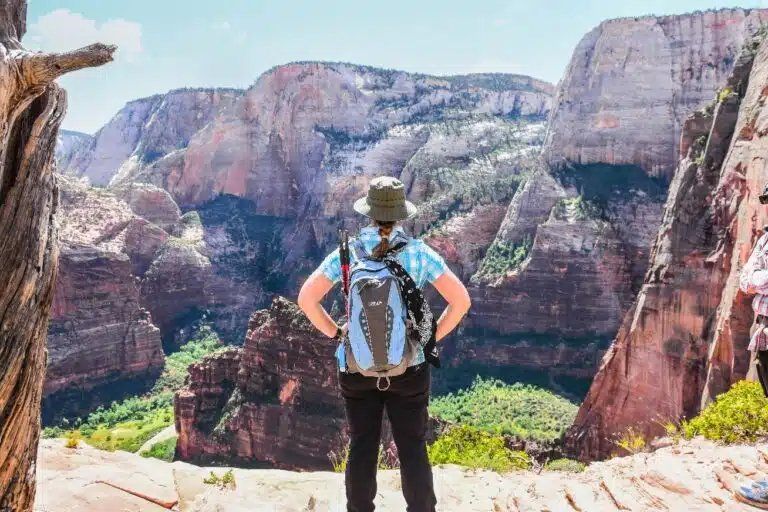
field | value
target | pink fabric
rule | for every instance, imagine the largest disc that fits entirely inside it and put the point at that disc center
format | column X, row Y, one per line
column 759, row 340
column 754, row 280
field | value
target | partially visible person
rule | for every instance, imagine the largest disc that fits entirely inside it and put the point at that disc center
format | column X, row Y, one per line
column 404, row 395
column 754, row 281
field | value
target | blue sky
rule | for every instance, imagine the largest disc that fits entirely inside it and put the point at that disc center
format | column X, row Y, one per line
column 167, row 44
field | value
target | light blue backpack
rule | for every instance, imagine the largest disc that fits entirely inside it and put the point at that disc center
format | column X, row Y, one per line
column 378, row 342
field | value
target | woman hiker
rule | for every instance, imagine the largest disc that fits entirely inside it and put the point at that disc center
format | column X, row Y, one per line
column 754, row 281
column 384, row 348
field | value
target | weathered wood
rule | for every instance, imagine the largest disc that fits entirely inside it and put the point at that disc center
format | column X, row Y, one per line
column 31, row 110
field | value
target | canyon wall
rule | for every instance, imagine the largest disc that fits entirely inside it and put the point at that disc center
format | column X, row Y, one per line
column 99, row 333
column 572, row 249
column 632, row 82
column 684, row 340
column 134, row 275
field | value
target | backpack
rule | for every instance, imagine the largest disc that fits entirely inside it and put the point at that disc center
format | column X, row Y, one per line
column 380, row 341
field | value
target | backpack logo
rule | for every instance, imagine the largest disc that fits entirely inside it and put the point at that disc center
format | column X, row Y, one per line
column 375, row 303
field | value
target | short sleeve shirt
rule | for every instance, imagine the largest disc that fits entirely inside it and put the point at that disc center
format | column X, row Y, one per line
column 421, row 262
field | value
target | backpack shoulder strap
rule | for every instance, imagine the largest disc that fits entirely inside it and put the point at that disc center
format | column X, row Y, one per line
column 418, row 310
column 397, row 244
column 358, row 249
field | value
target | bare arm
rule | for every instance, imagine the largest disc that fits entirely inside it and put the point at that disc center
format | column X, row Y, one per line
column 312, row 293
column 455, row 293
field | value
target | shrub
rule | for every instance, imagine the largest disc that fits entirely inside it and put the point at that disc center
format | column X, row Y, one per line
column 723, row 94
column 471, row 447
column 225, row 481
column 523, row 411
column 72, row 441
column 212, row 479
column 387, row 458
column 164, row 450
column 228, row 479
column 339, row 459
column 631, row 441
column 565, row 465
column 577, row 208
column 737, row 416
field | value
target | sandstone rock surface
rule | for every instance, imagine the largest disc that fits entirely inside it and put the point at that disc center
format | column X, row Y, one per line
column 632, row 82
column 695, row 475
column 144, row 130
column 100, row 333
column 684, row 341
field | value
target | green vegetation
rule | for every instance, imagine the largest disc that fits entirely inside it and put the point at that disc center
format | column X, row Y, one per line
column 723, row 94
column 471, row 447
column 503, row 257
column 205, row 342
column 386, row 459
column 565, row 465
column 518, row 410
column 739, row 415
column 128, row 424
column 164, row 450
column 577, row 208
column 72, row 441
column 225, row 481
column 631, row 441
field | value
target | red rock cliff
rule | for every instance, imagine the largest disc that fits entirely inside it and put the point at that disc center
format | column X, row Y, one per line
column 632, row 81
column 685, row 338
column 274, row 401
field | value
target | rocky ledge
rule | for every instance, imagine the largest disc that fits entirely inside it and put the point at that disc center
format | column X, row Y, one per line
column 696, row 475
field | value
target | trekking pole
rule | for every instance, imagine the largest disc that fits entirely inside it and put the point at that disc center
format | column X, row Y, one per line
column 344, row 259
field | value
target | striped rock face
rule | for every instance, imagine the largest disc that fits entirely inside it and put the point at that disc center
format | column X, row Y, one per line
column 632, row 82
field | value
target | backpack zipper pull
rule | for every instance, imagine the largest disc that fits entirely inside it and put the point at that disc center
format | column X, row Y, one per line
column 378, row 383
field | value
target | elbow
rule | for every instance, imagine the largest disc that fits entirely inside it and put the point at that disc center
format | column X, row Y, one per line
column 304, row 300
column 465, row 302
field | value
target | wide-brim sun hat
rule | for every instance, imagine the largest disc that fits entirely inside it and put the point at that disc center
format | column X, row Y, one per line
column 385, row 201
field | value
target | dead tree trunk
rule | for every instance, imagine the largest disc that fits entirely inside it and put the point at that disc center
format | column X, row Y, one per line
column 31, row 109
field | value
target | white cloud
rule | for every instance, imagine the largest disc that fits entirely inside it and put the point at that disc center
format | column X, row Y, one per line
column 222, row 25
column 63, row 30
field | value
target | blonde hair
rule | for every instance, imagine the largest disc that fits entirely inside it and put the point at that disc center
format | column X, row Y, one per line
column 385, row 229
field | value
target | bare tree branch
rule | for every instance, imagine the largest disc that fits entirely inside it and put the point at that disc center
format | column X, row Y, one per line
column 41, row 68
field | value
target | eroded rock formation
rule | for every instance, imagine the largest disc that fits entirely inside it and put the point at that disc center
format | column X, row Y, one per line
column 632, row 82
column 32, row 107
column 580, row 229
column 685, row 338
column 274, row 401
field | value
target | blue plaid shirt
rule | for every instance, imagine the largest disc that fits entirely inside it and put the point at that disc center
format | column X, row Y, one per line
column 421, row 262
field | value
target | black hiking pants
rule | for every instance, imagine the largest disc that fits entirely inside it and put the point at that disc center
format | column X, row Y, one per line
column 762, row 370
column 406, row 403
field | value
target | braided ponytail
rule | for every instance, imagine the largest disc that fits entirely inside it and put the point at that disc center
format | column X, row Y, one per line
column 385, row 229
